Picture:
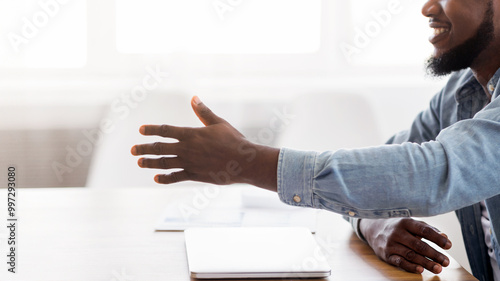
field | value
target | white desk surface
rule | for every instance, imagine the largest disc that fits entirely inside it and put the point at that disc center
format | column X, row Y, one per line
column 108, row 234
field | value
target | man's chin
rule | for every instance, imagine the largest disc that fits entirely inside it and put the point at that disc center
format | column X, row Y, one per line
column 437, row 66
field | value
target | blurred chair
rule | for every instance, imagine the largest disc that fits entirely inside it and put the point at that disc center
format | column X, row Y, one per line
column 34, row 154
column 41, row 145
column 330, row 121
column 112, row 164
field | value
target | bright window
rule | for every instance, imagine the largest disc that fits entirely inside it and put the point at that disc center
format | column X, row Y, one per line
column 220, row 26
column 388, row 32
column 43, row 33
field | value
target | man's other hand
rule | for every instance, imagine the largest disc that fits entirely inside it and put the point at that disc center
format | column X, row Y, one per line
column 216, row 153
column 398, row 242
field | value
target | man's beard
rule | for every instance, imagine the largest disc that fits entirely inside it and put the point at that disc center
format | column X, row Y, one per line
column 462, row 56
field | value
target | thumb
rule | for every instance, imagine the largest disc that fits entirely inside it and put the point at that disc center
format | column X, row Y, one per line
column 204, row 113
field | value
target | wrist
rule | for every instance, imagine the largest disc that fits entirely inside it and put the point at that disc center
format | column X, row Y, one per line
column 366, row 229
column 261, row 166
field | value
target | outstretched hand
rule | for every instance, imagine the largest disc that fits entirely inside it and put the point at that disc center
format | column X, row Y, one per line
column 398, row 242
column 216, row 153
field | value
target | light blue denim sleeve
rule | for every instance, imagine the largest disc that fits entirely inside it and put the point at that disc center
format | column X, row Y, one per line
column 407, row 179
column 425, row 127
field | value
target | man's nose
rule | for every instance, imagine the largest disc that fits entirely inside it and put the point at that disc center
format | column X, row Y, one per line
column 432, row 8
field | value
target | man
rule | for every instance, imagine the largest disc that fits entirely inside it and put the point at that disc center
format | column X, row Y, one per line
column 447, row 161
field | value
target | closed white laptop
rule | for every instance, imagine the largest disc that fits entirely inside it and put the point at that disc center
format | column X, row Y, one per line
column 254, row 252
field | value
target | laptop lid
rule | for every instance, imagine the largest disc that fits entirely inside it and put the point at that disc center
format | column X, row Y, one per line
column 260, row 252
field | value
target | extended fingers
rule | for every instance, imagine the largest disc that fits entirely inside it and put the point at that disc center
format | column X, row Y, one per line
column 173, row 177
column 166, row 131
column 157, row 148
column 160, row 163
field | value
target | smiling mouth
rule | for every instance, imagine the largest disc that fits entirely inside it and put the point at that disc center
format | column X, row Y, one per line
column 439, row 33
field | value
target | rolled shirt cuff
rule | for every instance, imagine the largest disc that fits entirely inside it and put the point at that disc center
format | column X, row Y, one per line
column 295, row 182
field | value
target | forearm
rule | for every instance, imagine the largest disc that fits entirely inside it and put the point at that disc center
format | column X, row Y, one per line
column 395, row 180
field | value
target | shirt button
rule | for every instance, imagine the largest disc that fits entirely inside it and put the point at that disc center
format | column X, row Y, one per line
column 297, row 199
column 351, row 213
column 491, row 87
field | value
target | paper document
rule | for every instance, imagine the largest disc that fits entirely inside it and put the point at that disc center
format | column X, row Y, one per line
column 249, row 207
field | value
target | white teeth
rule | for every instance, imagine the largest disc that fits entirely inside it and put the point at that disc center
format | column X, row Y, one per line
column 438, row 31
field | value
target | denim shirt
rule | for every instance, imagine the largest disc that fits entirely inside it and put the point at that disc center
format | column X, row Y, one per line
column 448, row 160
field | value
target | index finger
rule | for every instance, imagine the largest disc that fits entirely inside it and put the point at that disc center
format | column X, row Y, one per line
column 166, row 131
column 426, row 231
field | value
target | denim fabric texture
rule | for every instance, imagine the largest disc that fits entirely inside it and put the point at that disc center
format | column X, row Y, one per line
column 449, row 160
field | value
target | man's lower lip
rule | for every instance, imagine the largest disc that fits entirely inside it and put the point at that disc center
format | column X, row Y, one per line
column 437, row 38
